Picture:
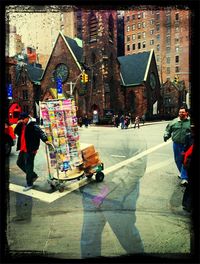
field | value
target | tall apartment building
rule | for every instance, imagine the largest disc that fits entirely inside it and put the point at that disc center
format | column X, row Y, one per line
column 40, row 29
column 167, row 31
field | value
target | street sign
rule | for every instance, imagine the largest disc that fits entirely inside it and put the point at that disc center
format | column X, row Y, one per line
column 9, row 91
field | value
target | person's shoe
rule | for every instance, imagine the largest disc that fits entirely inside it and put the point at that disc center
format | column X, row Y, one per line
column 35, row 178
column 184, row 182
column 27, row 188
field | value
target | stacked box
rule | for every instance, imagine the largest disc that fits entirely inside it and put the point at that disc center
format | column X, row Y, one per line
column 60, row 125
column 90, row 156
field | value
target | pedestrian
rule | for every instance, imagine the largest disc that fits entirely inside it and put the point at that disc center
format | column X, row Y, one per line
column 113, row 201
column 127, row 121
column 29, row 135
column 122, row 121
column 187, row 196
column 86, row 121
column 137, row 122
column 178, row 129
column 80, row 121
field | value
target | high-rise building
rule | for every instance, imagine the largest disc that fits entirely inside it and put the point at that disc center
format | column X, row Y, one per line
column 39, row 29
column 167, row 31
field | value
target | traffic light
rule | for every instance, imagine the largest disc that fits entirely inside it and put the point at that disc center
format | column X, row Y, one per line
column 176, row 79
column 86, row 78
column 82, row 77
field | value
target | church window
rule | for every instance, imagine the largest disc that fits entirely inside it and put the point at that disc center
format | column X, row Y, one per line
column 93, row 24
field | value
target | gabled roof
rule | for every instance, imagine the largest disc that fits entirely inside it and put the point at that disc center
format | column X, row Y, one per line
column 76, row 49
column 74, row 46
column 34, row 73
column 134, row 68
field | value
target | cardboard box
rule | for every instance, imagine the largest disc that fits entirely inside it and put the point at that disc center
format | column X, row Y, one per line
column 88, row 151
column 92, row 160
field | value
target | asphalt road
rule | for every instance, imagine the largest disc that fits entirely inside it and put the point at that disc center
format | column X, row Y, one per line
column 54, row 225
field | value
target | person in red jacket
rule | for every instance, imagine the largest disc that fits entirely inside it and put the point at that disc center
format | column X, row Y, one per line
column 29, row 135
column 187, row 156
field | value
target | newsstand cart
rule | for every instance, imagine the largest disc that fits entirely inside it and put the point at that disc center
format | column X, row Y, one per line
column 91, row 165
column 67, row 159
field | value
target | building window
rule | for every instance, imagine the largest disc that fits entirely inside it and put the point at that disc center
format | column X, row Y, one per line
column 151, row 42
column 139, row 16
column 151, row 32
column 139, row 25
column 168, row 49
column 128, row 38
column 139, row 45
column 139, row 35
column 176, row 29
column 94, row 82
column 128, row 47
column 168, row 60
column 93, row 26
column 158, row 58
column 133, row 17
column 128, row 18
column 143, row 15
column 168, row 30
column 133, row 46
column 177, row 16
column 133, row 37
column 143, row 44
column 176, row 39
column 158, row 37
column 176, row 69
column 25, row 94
column 158, row 67
column 157, row 16
column 168, row 40
column 143, row 24
column 177, row 49
column 151, row 21
column 143, row 34
column 157, row 27
column 111, row 28
column 133, row 27
column 128, row 28
column 168, row 20
column 168, row 70
column 177, row 59
column 158, row 47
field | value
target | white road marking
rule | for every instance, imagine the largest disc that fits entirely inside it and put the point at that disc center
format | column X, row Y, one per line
column 118, row 156
column 138, row 156
column 49, row 198
column 158, row 166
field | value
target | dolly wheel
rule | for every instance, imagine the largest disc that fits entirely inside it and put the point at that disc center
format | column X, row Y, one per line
column 89, row 175
column 61, row 189
column 99, row 176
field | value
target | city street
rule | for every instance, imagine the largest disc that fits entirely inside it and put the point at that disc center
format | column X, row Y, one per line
column 54, row 220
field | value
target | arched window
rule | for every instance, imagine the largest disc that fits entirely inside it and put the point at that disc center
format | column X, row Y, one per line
column 93, row 26
column 93, row 58
column 111, row 28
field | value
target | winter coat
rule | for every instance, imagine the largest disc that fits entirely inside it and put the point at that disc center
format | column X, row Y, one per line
column 33, row 134
column 177, row 129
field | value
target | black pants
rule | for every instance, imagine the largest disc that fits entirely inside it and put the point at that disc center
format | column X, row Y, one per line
column 26, row 163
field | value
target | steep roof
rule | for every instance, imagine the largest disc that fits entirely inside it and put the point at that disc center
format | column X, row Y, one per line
column 134, row 67
column 34, row 73
column 76, row 49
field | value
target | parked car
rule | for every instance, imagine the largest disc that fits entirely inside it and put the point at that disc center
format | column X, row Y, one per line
column 10, row 138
